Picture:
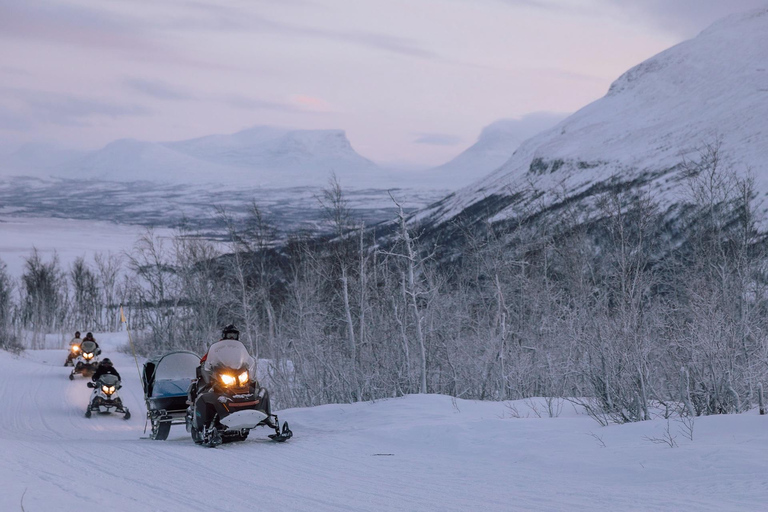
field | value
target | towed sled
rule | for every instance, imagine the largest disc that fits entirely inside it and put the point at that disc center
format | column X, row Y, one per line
column 105, row 398
column 166, row 380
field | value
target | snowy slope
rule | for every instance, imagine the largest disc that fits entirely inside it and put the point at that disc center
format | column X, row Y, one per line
column 421, row 452
column 713, row 87
column 134, row 160
column 495, row 145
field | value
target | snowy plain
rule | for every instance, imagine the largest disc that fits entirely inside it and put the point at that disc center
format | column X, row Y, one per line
column 413, row 453
column 69, row 239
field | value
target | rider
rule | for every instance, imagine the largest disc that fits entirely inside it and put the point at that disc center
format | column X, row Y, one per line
column 89, row 337
column 105, row 367
column 230, row 332
column 75, row 341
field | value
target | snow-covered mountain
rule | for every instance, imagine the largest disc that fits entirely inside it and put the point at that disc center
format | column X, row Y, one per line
column 264, row 147
column 260, row 156
column 134, row 160
column 708, row 89
column 495, row 145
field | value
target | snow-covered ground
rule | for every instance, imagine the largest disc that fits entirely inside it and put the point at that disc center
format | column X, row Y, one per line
column 421, row 452
column 69, row 238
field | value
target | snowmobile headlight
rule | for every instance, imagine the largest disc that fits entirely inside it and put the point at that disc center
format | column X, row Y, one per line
column 227, row 379
column 243, row 378
column 88, row 355
column 75, row 349
column 108, row 390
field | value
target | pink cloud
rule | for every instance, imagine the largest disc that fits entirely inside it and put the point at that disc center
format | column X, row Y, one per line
column 310, row 103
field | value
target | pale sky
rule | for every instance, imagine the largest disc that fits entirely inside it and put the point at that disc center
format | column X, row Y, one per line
column 409, row 80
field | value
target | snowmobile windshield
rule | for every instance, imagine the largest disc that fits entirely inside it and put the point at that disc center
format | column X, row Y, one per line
column 88, row 346
column 108, row 379
column 173, row 374
column 228, row 354
column 179, row 365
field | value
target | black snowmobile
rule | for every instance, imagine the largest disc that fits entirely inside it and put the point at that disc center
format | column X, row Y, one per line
column 105, row 397
column 227, row 402
column 166, row 380
column 87, row 361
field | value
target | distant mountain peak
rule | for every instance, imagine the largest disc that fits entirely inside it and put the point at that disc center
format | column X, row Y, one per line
column 259, row 155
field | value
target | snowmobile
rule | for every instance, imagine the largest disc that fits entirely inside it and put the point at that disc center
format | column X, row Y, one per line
column 105, row 397
column 87, row 361
column 166, row 380
column 74, row 351
column 229, row 402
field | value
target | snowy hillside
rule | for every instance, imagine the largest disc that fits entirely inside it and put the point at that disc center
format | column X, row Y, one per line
column 134, row 160
column 713, row 87
column 495, row 145
column 260, row 156
column 420, row 452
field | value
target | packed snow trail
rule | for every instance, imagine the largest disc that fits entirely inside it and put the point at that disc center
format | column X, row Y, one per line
column 418, row 453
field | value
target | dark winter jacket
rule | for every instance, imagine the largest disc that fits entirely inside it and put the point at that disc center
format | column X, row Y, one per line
column 104, row 370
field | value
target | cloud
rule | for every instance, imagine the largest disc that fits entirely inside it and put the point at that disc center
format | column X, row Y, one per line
column 67, row 110
column 156, row 89
column 437, row 139
column 682, row 17
column 145, row 38
column 228, row 18
column 242, row 102
column 12, row 120
column 59, row 22
column 311, row 103
column 685, row 17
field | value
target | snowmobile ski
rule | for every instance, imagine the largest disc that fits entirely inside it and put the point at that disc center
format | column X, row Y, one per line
column 282, row 436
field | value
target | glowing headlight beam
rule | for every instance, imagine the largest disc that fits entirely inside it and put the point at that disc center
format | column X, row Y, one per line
column 227, row 379
column 243, row 378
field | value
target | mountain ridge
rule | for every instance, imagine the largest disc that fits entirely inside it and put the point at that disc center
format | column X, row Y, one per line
column 261, row 155
column 710, row 90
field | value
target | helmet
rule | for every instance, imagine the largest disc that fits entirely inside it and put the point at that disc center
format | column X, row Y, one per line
column 106, row 361
column 230, row 332
column 89, row 335
column 77, row 334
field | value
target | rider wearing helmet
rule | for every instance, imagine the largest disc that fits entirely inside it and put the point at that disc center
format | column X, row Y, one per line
column 105, row 367
column 230, row 332
column 89, row 337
